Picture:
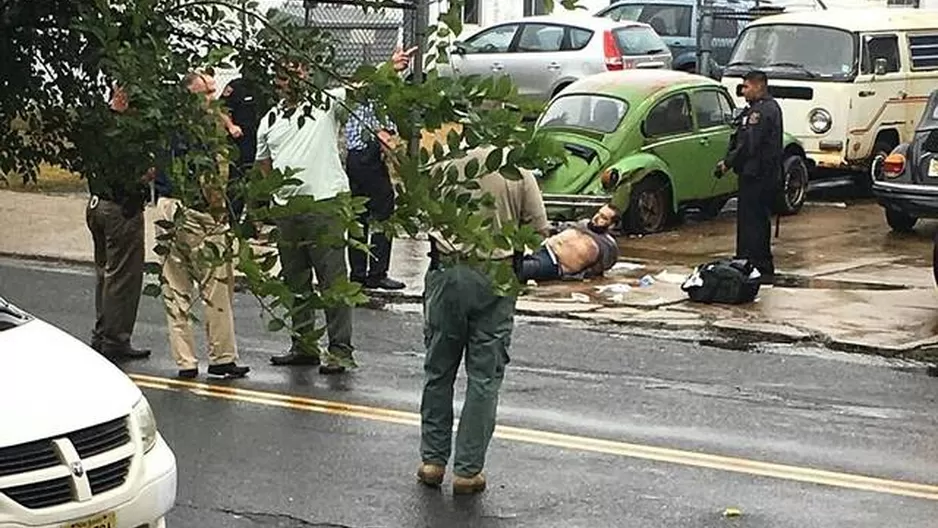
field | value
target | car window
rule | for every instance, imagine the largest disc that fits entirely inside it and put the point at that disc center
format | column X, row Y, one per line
column 881, row 47
column 540, row 37
column 670, row 116
column 668, row 20
column 724, row 26
column 624, row 12
column 592, row 112
column 709, row 107
column 495, row 40
column 579, row 38
column 639, row 40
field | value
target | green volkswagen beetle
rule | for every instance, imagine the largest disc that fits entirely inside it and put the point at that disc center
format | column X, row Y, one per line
column 648, row 140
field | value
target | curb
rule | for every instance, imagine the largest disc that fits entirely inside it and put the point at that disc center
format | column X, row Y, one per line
column 926, row 349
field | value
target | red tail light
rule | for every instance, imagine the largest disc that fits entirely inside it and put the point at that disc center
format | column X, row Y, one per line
column 612, row 52
column 893, row 165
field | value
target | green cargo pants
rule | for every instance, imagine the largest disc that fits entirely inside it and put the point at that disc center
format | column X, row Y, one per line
column 305, row 247
column 462, row 315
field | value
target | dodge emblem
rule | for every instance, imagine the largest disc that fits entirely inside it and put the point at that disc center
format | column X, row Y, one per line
column 77, row 469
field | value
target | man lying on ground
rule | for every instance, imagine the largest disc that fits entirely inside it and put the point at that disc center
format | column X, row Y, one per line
column 580, row 250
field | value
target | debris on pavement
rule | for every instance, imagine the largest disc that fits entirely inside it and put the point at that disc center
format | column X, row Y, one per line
column 732, row 512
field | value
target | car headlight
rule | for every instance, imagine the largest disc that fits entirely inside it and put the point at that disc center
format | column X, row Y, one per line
column 819, row 120
column 146, row 423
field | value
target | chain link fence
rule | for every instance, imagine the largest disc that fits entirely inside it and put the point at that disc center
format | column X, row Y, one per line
column 360, row 36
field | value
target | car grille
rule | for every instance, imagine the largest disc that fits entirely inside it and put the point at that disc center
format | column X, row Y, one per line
column 41, row 454
column 42, row 494
column 106, row 478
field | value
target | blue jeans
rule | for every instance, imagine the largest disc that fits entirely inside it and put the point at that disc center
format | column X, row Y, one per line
column 539, row 266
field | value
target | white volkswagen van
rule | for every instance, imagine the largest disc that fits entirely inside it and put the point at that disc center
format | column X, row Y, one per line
column 851, row 83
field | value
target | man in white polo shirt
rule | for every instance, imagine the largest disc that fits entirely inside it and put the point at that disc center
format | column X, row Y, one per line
column 312, row 241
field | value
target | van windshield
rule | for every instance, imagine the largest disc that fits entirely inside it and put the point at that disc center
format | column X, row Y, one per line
column 11, row 316
column 795, row 52
column 591, row 112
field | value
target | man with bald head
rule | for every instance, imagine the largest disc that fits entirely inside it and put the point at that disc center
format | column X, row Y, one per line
column 203, row 224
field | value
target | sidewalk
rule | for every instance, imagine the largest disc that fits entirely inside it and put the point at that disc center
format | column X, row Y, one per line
column 846, row 280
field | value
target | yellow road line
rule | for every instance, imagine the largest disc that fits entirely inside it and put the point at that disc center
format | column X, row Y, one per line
column 565, row 441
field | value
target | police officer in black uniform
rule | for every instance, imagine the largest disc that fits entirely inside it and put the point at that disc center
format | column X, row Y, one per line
column 117, row 181
column 756, row 157
column 239, row 99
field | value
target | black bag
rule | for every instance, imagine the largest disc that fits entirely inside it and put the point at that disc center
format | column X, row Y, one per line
column 723, row 281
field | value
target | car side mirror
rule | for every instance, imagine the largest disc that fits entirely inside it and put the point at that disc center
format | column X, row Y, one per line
column 459, row 48
column 736, row 115
column 879, row 66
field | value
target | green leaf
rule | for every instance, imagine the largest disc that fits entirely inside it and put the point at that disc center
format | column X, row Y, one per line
column 510, row 172
column 276, row 325
column 493, row 160
column 152, row 290
column 453, row 140
column 472, row 168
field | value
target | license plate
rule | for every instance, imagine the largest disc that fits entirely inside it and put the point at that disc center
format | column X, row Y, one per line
column 933, row 169
column 102, row 520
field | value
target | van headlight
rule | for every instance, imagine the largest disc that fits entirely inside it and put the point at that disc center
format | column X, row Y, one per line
column 146, row 423
column 819, row 120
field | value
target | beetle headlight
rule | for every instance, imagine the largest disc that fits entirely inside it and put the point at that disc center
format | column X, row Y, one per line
column 819, row 120
column 146, row 423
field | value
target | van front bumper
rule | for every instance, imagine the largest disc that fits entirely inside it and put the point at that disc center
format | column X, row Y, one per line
column 146, row 506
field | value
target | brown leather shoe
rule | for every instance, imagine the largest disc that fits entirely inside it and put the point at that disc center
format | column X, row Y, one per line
column 468, row 485
column 431, row 474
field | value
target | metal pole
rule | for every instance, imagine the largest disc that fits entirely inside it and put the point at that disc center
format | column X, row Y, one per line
column 705, row 37
column 422, row 20
column 244, row 26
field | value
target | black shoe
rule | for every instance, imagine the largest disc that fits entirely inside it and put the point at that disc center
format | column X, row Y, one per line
column 384, row 284
column 331, row 369
column 355, row 278
column 189, row 373
column 294, row 359
column 127, row 352
column 767, row 280
column 228, row 370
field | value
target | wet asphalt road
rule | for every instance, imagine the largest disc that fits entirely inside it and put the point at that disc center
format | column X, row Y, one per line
column 249, row 464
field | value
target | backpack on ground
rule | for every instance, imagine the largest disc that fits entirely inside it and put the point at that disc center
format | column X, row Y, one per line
column 723, row 281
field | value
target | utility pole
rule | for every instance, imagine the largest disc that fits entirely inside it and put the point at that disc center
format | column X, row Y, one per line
column 422, row 20
column 704, row 36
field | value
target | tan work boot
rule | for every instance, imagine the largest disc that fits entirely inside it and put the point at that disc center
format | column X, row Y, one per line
column 431, row 474
column 468, row 485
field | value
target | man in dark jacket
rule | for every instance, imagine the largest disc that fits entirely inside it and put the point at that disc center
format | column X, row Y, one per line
column 239, row 100
column 756, row 157
column 115, row 218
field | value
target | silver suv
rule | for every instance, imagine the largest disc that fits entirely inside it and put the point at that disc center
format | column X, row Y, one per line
column 544, row 54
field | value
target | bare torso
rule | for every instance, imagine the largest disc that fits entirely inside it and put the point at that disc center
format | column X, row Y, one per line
column 574, row 249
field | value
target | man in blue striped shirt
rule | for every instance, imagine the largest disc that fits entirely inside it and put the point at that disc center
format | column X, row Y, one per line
column 365, row 137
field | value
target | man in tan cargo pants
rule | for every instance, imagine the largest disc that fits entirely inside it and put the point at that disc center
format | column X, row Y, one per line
column 185, row 270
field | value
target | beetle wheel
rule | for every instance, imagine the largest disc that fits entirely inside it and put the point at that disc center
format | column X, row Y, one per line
column 794, row 191
column 649, row 206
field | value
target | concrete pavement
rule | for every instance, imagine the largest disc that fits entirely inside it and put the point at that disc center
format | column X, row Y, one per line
column 847, row 281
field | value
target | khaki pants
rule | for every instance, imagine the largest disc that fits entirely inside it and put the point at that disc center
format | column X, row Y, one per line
column 182, row 274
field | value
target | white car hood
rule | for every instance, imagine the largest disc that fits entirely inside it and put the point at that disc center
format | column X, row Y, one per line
column 52, row 383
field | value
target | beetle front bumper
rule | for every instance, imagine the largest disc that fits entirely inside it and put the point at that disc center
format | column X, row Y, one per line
column 919, row 201
column 574, row 200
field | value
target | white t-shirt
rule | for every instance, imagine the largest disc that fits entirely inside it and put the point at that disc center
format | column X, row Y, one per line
column 312, row 149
